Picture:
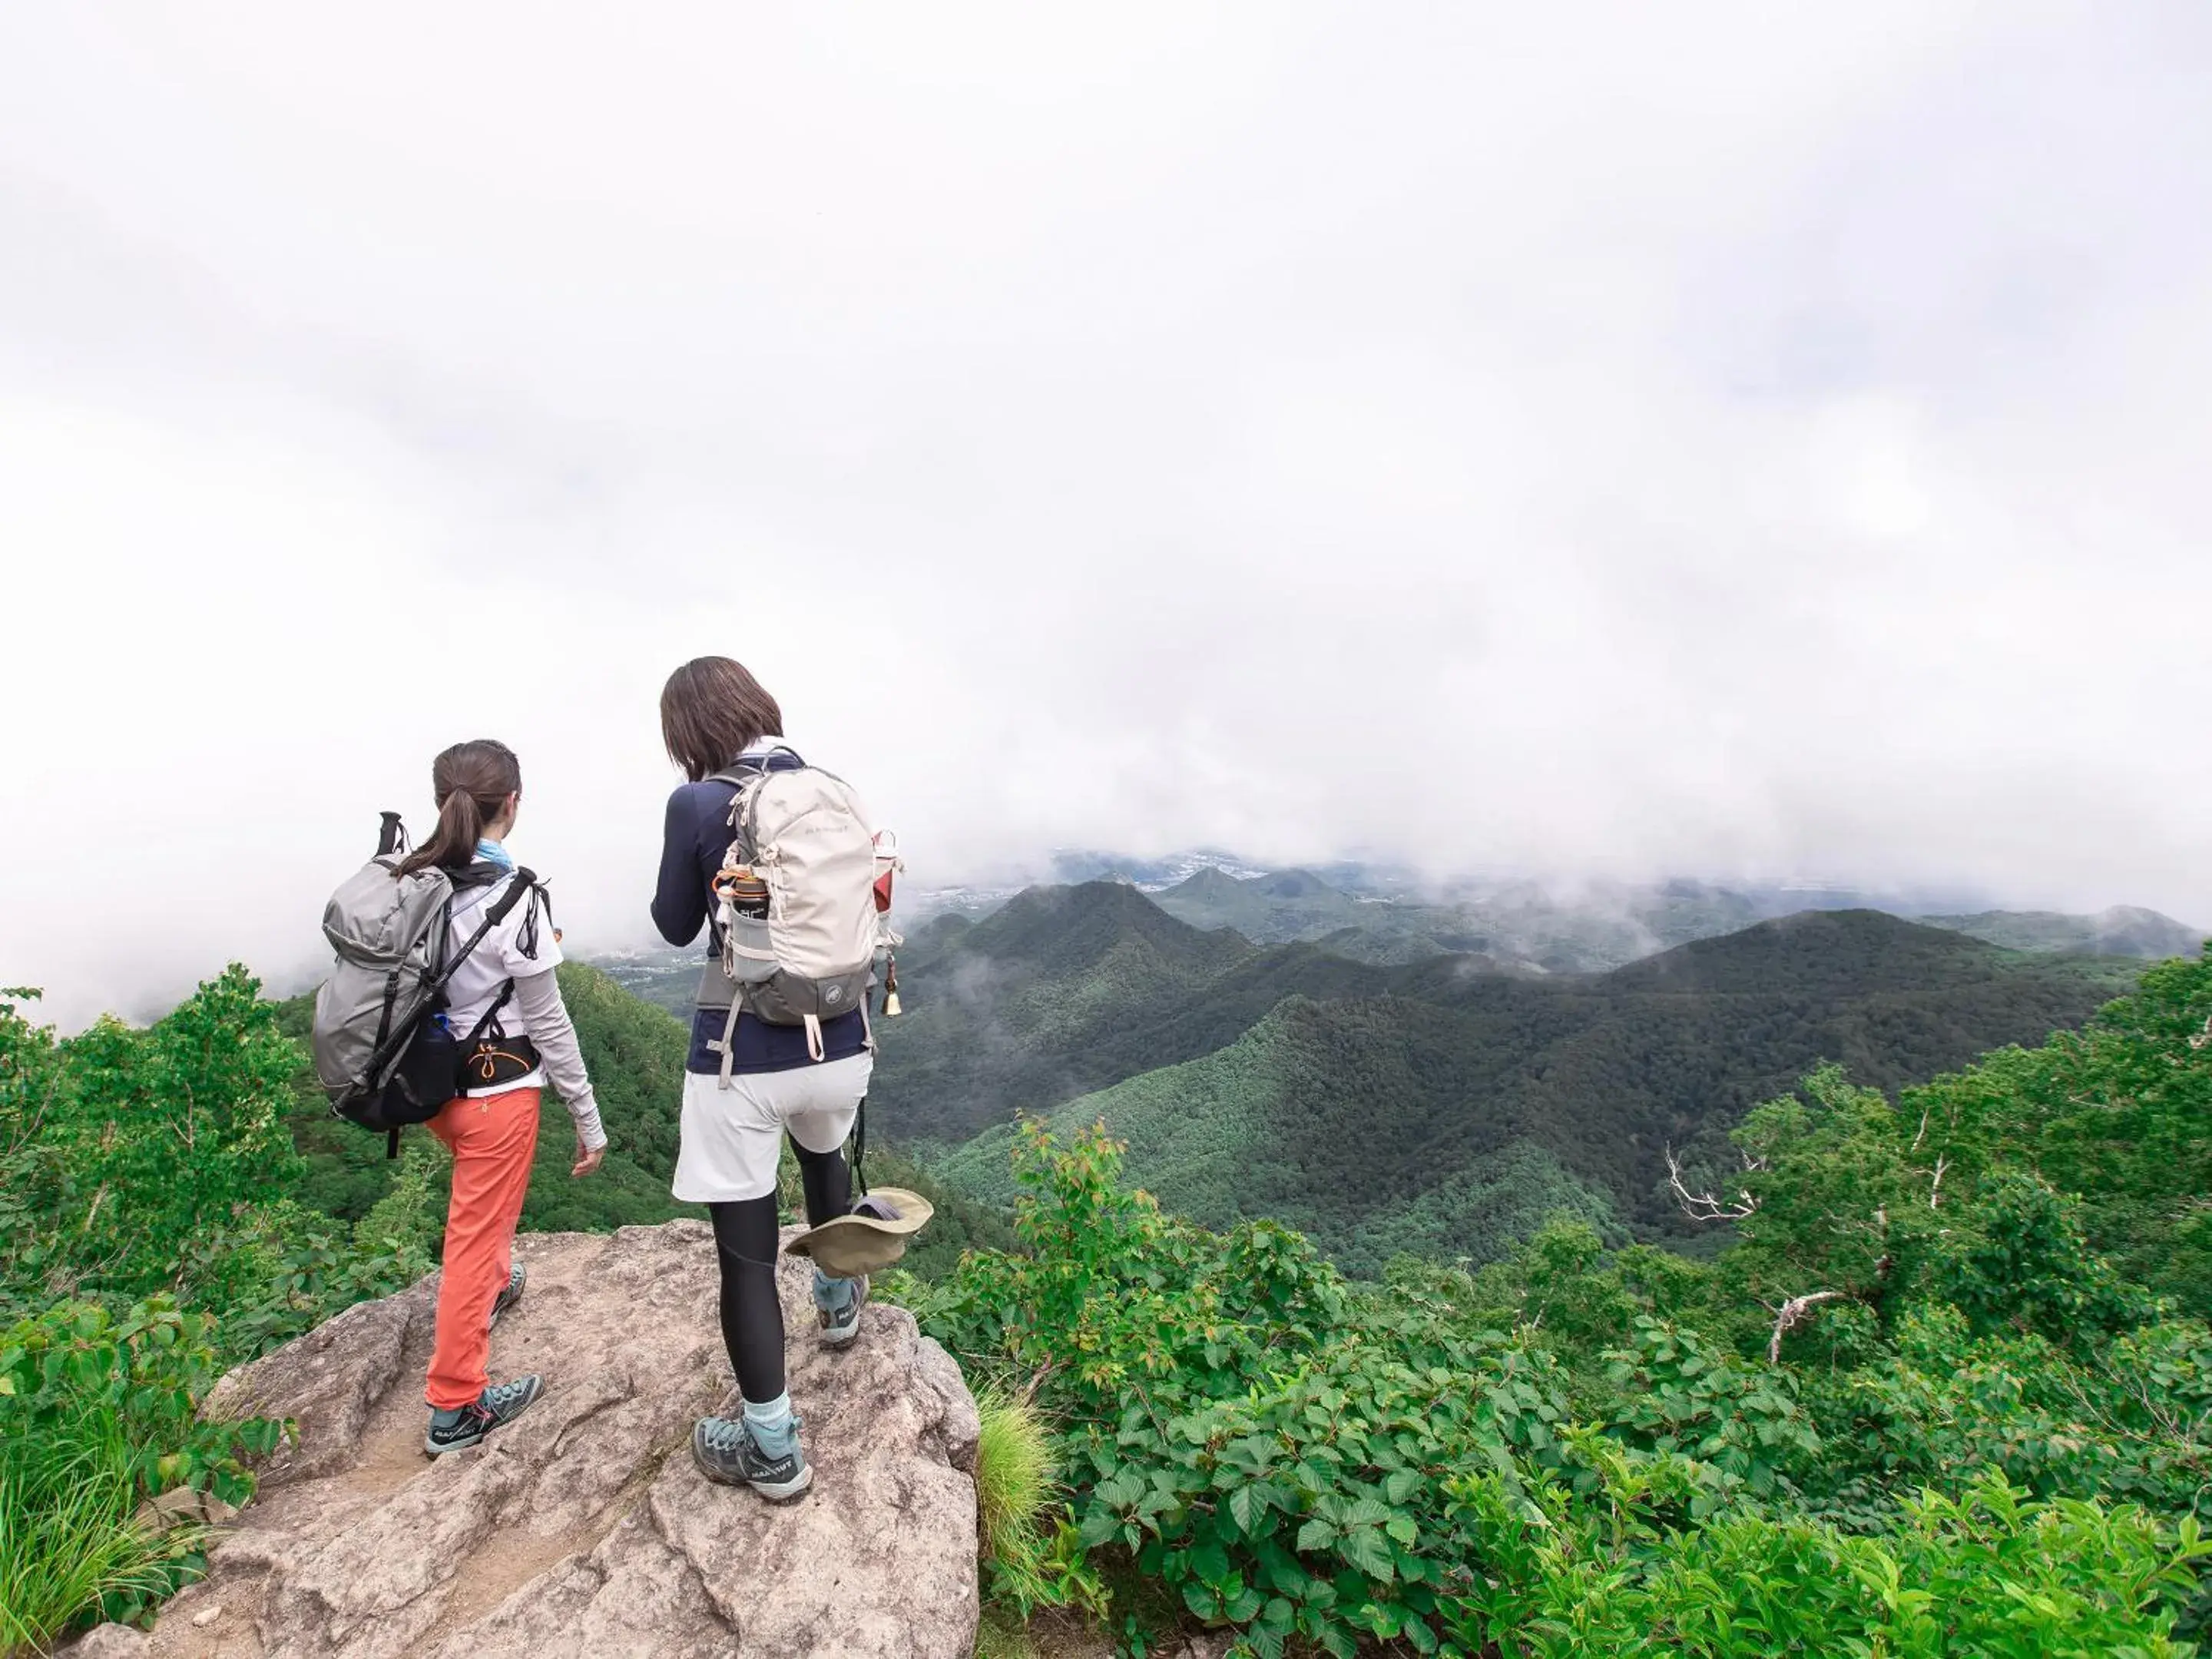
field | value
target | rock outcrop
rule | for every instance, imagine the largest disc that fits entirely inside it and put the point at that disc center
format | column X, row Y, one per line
column 583, row 1531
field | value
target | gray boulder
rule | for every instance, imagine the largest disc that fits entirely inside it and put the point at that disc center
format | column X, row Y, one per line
column 583, row 1529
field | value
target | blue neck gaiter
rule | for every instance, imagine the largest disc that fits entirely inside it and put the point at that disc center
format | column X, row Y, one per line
column 492, row 851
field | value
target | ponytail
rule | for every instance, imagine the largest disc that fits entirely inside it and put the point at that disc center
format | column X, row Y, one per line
column 471, row 782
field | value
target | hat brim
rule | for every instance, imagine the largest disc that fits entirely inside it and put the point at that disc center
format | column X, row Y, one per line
column 848, row 1245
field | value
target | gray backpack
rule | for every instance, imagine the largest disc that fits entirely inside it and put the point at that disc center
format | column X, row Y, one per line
column 808, row 953
column 383, row 1051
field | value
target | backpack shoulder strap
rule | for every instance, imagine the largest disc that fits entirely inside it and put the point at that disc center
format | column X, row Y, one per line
column 747, row 767
column 524, row 883
column 491, row 1015
column 743, row 774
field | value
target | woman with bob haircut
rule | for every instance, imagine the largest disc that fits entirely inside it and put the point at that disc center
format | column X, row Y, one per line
column 722, row 725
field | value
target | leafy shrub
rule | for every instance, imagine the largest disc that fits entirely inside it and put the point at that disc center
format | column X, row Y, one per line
column 306, row 1268
column 1312, row 1508
column 1334, row 1469
column 1739, row 1421
column 69, row 1542
column 149, row 1372
column 96, row 1415
column 1988, row 1573
column 2020, row 1260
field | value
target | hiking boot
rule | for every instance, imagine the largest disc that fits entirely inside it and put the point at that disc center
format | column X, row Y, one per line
column 838, row 1304
column 732, row 1452
column 516, row 1279
column 457, row 1431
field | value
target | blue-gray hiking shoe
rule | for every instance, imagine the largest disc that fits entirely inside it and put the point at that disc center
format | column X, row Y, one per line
column 457, row 1431
column 838, row 1304
column 516, row 1279
column 729, row 1452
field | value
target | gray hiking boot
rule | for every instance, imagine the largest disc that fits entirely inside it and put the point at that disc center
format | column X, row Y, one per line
column 838, row 1304
column 516, row 1279
column 458, row 1430
column 733, row 1452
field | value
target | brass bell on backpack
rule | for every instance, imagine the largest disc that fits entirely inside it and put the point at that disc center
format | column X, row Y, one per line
column 890, row 988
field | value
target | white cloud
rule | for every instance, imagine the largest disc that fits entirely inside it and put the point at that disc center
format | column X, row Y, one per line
column 1596, row 438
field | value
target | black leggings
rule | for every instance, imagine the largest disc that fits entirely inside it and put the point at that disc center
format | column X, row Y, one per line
column 745, row 1246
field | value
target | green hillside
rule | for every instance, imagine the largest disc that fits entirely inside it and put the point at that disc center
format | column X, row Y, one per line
column 1442, row 1111
column 1271, row 1127
column 1064, row 990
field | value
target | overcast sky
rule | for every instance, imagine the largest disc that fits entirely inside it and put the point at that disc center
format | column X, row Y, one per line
column 1721, row 439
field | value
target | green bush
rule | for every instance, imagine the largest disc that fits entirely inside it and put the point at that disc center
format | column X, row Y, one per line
column 1431, row 1467
column 1988, row 1573
column 97, row 1415
column 70, row 1546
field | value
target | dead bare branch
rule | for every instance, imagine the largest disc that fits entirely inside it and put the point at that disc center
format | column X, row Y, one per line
column 1935, row 1187
column 1791, row 1315
column 1703, row 1206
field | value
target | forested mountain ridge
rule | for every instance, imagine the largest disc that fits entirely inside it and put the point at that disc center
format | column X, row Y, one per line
column 1605, row 926
column 2123, row 930
column 1066, row 990
column 1825, row 952
column 1445, row 1111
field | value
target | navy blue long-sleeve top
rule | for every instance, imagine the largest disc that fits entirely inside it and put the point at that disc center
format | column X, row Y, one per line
column 695, row 839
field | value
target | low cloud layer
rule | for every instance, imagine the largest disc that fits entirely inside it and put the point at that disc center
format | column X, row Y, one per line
column 1590, row 441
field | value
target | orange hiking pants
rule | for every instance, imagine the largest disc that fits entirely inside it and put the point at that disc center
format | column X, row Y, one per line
column 493, row 1140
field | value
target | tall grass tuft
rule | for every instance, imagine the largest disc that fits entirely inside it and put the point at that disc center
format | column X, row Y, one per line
column 995, row 1639
column 69, row 1544
column 1016, row 1477
column 1014, row 1473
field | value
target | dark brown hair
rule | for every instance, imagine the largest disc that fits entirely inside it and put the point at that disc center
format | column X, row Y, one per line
column 712, row 710
column 471, row 782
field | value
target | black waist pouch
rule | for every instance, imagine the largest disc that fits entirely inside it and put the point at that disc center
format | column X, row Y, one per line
column 494, row 1060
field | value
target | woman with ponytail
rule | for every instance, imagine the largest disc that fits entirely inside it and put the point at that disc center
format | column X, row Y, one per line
column 504, row 1004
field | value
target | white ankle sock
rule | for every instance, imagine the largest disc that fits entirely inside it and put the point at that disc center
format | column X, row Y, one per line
column 771, row 1414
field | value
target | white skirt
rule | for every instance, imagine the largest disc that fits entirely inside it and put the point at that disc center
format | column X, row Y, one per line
column 731, row 1137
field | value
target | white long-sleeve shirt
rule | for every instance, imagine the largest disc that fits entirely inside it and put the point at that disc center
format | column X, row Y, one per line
column 522, row 947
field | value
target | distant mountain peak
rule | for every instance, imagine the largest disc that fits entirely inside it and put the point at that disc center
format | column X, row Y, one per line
column 1075, row 924
column 1292, row 883
column 1833, row 950
column 1210, row 881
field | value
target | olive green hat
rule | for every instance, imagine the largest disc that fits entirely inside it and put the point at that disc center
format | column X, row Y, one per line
column 870, row 1239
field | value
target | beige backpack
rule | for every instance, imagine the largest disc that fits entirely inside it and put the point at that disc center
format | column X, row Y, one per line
column 805, row 949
